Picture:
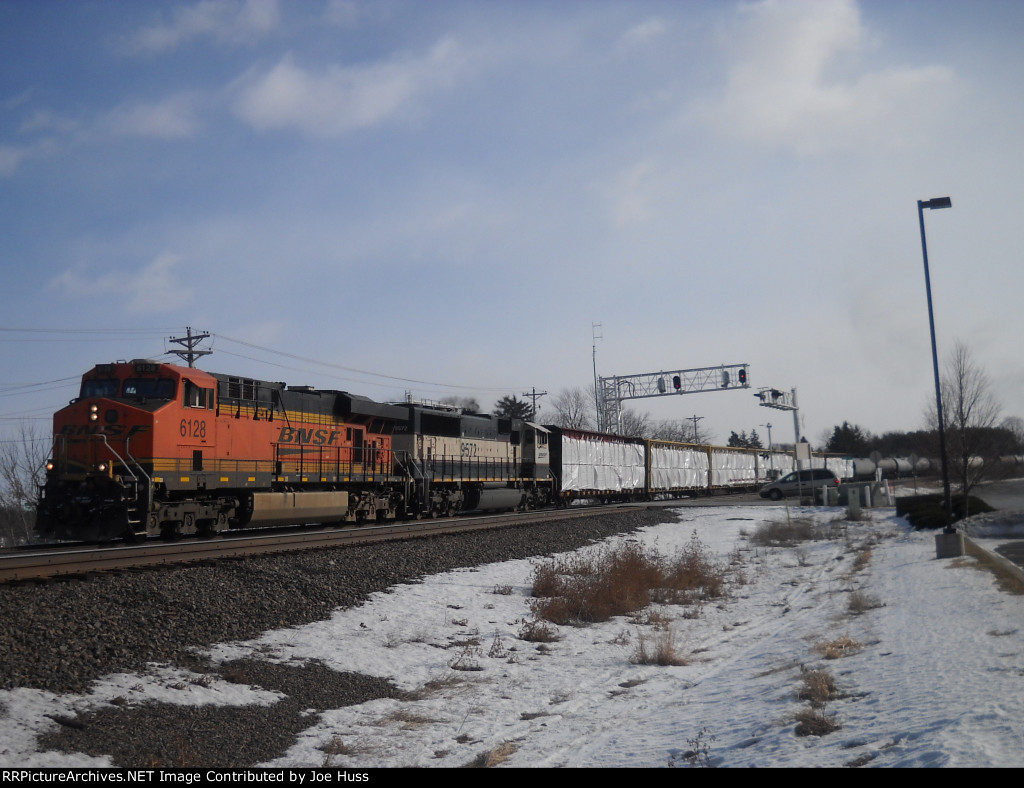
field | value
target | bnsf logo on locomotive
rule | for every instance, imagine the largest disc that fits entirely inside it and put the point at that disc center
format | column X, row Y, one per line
column 312, row 437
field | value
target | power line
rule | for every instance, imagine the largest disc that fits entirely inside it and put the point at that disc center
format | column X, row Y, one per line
column 363, row 371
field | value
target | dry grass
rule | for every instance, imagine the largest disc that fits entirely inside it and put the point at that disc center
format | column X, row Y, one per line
column 786, row 534
column 839, row 648
column 658, row 650
column 621, row 580
column 815, row 722
column 336, row 747
column 861, row 559
column 818, row 687
column 861, row 603
column 493, row 757
column 538, row 632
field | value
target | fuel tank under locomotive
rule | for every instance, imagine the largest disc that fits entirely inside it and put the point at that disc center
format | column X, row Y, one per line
column 491, row 496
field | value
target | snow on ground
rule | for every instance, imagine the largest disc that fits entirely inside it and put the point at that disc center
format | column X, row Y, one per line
column 935, row 677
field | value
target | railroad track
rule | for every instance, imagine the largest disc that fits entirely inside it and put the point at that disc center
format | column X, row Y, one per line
column 80, row 560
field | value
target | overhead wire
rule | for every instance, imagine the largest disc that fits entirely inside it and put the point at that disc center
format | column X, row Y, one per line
column 362, row 371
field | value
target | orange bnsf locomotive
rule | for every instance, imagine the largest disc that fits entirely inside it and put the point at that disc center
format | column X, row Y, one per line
column 150, row 448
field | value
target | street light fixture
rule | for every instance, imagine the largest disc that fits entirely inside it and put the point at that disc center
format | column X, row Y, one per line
column 934, row 204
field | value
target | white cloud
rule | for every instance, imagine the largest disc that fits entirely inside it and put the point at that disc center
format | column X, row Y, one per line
column 171, row 118
column 224, row 21
column 343, row 98
column 632, row 196
column 152, row 289
column 11, row 157
column 643, row 33
column 784, row 89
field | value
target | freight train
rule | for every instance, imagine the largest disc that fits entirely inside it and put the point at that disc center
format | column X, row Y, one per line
column 150, row 448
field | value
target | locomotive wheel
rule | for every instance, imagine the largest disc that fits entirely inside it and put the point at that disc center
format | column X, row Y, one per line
column 170, row 530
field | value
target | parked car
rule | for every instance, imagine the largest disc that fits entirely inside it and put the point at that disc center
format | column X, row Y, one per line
column 793, row 483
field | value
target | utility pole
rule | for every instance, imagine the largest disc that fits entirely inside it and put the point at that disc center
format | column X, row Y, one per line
column 534, row 394
column 696, row 418
column 189, row 342
column 595, row 330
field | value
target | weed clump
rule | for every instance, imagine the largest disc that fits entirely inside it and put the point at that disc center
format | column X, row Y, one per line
column 819, row 687
column 838, row 648
column 621, row 580
column 815, row 722
column 660, row 650
column 861, row 603
column 786, row 534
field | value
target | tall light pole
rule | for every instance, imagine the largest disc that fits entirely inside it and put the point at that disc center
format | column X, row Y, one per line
column 771, row 456
column 934, row 204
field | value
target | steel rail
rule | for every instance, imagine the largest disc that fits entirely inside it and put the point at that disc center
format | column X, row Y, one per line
column 42, row 564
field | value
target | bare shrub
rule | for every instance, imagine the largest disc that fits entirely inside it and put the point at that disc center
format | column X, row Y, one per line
column 493, row 757
column 815, row 722
column 694, row 574
column 336, row 747
column 861, row 559
column 698, row 753
column 786, row 534
column 538, row 632
column 621, row 580
column 818, row 687
column 839, row 648
column 467, row 659
column 658, row 650
column 861, row 603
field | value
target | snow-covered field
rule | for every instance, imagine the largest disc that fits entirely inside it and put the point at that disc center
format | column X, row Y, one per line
column 936, row 677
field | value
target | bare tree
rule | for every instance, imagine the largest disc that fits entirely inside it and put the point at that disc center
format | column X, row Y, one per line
column 1014, row 425
column 574, row 409
column 21, row 472
column 633, row 424
column 970, row 414
column 681, row 431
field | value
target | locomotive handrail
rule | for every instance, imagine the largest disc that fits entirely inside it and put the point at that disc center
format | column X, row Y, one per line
column 128, row 451
column 121, row 459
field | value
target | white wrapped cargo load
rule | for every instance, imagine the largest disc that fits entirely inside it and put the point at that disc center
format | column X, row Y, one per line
column 733, row 468
column 677, row 467
column 601, row 463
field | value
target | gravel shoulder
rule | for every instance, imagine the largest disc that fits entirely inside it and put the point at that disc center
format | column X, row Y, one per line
column 72, row 632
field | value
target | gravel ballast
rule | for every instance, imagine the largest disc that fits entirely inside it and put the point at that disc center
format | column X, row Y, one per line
column 62, row 635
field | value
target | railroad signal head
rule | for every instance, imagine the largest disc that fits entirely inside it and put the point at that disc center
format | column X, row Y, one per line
column 725, row 379
column 677, row 382
column 743, row 376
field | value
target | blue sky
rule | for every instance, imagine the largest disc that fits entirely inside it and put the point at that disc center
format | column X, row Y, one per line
column 445, row 196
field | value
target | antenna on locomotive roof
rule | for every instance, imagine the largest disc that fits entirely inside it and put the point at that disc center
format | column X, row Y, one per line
column 189, row 342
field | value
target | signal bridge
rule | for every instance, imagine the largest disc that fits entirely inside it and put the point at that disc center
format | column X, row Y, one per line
column 613, row 390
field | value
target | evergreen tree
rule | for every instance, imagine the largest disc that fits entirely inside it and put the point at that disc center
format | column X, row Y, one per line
column 512, row 407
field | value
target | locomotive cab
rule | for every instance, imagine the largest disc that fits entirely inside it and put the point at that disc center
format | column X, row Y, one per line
column 100, row 476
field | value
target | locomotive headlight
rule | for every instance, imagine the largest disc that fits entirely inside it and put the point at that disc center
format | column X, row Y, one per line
column 49, row 465
column 94, row 412
column 102, row 467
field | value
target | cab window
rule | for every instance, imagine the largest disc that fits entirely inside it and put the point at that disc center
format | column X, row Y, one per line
column 99, row 388
column 148, row 388
column 197, row 397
